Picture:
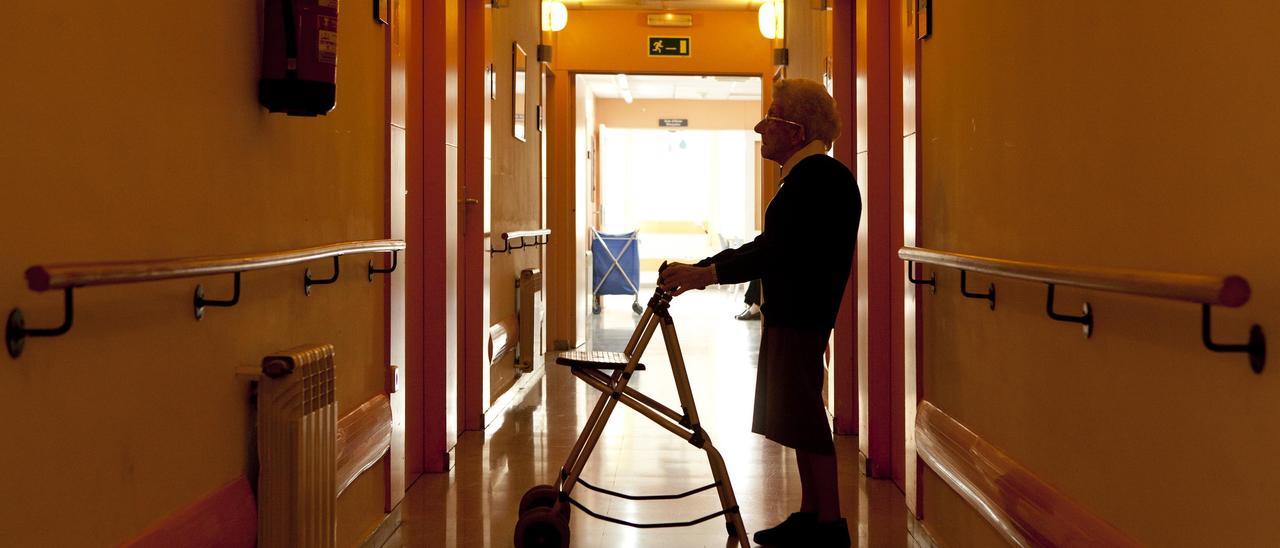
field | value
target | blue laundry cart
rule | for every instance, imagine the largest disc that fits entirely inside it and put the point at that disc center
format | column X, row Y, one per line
column 615, row 268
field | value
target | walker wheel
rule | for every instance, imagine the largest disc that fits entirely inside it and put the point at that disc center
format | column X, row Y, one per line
column 540, row 496
column 542, row 528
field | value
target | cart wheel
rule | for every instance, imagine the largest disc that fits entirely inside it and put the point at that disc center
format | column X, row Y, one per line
column 542, row 528
column 541, row 496
column 595, row 308
column 635, row 307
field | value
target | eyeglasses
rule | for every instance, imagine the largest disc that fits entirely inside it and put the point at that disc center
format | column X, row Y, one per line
column 782, row 120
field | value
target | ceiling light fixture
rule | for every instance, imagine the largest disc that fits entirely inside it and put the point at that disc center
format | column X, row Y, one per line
column 554, row 16
column 624, row 87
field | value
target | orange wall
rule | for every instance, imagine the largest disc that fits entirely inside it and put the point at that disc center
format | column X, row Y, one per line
column 136, row 136
column 721, row 42
column 1112, row 134
column 612, row 41
column 736, row 115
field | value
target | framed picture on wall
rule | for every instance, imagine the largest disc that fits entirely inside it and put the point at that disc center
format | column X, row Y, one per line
column 519, row 67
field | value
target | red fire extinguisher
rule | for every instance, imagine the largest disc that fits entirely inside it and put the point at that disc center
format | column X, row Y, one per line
column 299, row 56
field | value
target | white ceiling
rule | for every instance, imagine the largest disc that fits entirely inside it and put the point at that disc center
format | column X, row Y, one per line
column 710, row 88
column 663, row 4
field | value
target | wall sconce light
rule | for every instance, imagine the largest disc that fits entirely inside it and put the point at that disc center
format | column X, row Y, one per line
column 554, row 16
column 771, row 19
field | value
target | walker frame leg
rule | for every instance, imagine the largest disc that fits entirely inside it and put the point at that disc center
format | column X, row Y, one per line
column 610, row 400
column 613, row 389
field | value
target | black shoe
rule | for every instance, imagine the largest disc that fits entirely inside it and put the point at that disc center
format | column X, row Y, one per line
column 792, row 530
column 833, row 534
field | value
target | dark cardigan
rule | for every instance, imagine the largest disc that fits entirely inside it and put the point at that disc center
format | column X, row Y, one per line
column 804, row 254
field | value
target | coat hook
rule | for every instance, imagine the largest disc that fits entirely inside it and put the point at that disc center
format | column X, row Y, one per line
column 932, row 282
column 1086, row 321
column 16, row 332
column 1256, row 347
column 307, row 282
column 990, row 295
column 201, row 302
column 395, row 257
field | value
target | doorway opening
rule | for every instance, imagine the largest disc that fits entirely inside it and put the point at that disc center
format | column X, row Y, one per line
column 673, row 173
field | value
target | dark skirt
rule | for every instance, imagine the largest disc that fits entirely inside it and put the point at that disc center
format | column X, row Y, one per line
column 788, row 406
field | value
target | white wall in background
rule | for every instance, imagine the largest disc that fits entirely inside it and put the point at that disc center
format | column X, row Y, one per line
column 686, row 188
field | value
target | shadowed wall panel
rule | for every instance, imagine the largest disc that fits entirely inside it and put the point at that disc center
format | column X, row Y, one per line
column 1111, row 134
column 136, row 136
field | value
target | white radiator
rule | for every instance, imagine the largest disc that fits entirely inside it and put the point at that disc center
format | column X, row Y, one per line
column 297, row 417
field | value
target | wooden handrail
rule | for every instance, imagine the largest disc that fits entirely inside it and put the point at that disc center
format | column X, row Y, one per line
column 1232, row 291
column 63, row 276
column 70, row 276
column 1024, row 509
column 526, row 234
column 1207, row 290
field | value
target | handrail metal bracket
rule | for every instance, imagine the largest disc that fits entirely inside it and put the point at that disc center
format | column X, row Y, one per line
column 307, row 281
column 990, row 295
column 506, row 248
column 201, row 302
column 538, row 239
column 932, row 282
column 1256, row 347
column 395, row 259
column 16, row 332
column 1085, row 321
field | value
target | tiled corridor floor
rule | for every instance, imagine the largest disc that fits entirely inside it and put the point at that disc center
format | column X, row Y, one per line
column 476, row 503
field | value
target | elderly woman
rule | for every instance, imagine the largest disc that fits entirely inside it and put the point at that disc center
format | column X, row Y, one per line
column 803, row 257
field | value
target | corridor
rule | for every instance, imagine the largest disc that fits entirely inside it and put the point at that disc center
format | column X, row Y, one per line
column 476, row 503
column 279, row 274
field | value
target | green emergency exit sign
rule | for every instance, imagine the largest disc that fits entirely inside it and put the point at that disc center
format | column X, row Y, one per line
column 668, row 46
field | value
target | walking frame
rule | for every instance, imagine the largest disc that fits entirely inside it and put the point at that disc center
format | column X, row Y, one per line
column 544, row 510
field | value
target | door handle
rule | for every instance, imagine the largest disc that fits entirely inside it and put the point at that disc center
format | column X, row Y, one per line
column 470, row 201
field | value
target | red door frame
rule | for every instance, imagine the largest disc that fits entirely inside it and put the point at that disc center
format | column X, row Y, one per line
column 475, row 272
column 432, row 260
column 845, row 360
column 878, row 96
